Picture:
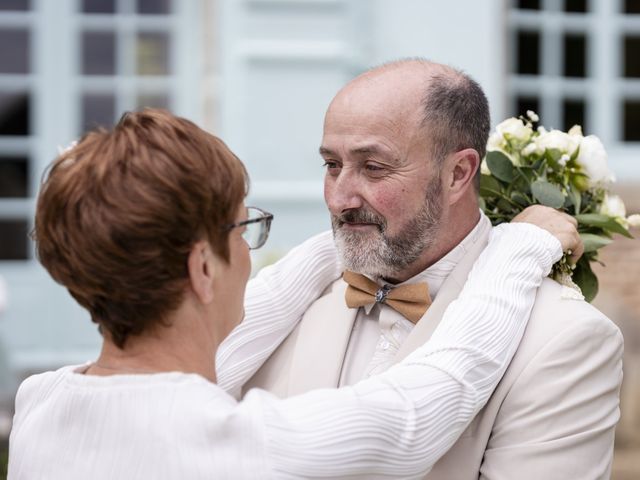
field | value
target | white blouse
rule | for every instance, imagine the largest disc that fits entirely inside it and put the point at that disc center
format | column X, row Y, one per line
column 397, row 424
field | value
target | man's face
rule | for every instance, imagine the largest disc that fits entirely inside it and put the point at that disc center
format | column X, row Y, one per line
column 383, row 191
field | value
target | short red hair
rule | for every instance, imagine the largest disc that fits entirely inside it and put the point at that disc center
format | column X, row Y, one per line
column 118, row 214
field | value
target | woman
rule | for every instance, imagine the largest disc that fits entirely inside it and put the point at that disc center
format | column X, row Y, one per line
column 147, row 228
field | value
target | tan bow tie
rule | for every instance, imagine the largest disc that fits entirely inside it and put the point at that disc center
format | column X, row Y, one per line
column 409, row 300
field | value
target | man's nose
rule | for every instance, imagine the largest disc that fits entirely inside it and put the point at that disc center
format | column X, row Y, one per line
column 343, row 192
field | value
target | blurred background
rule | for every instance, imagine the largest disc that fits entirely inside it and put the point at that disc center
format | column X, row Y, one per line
column 260, row 73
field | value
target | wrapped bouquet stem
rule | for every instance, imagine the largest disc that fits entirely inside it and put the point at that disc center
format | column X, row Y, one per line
column 564, row 170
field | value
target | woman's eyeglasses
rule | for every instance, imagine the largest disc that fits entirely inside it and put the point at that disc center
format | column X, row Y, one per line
column 258, row 225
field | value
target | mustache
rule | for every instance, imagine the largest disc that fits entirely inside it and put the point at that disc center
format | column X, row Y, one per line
column 360, row 215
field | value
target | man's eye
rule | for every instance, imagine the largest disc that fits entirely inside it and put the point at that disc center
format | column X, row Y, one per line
column 374, row 168
column 331, row 165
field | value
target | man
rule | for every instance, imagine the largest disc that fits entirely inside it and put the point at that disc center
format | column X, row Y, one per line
column 402, row 144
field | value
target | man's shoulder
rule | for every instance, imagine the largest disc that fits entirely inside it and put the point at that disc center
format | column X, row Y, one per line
column 566, row 329
column 556, row 311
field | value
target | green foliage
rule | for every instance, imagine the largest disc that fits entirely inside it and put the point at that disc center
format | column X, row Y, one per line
column 547, row 194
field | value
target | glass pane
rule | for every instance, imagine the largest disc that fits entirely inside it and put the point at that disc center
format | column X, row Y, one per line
column 98, row 110
column 632, row 6
column 14, row 113
column 575, row 56
column 631, row 56
column 13, row 239
column 154, row 6
column 98, row 53
column 14, row 179
column 577, row 6
column 99, row 6
column 153, row 54
column 153, row 101
column 631, row 112
column 523, row 104
column 529, row 4
column 573, row 113
column 14, row 54
column 15, row 5
column 528, row 51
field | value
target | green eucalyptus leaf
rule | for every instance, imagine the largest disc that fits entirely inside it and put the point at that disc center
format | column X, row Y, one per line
column 536, row 165
column 521, row 184
column 584, row 277
column 500, row 166
column 576, row 199
column 520, row 199
column 602, row 221
column 528, row 173
column 593, row 242
column 547, row 194
column 504, row 206
column 489, row 186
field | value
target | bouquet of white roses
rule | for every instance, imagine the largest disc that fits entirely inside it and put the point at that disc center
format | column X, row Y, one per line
column 563, row 170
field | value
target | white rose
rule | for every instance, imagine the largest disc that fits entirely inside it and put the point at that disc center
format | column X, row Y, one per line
column 555, row 139
column 495, row 142
column 634, row 220
column 513, row 129
column 593, row 160
column 532, row 148
column 613, row 206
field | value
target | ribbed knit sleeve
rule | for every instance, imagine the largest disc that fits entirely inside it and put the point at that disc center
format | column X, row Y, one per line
column 399, row 423
column 275, row 301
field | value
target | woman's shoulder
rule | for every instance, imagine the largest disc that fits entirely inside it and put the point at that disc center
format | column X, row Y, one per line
column 37, row 387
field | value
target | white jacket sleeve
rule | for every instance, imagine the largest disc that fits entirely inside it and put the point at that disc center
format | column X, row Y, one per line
column 399, row 423
column 275, row 301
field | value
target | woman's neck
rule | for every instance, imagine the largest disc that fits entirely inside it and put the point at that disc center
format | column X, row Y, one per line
column 186, row 345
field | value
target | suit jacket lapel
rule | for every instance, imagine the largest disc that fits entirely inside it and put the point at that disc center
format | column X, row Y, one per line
column 322, row 342
column 448, row 292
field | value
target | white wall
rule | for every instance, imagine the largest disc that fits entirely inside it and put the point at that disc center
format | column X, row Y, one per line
column 466, row 34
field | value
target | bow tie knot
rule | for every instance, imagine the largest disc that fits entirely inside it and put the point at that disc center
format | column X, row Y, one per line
column 412, row 301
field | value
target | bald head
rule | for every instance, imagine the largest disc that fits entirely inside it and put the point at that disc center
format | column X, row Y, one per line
column 432, row 99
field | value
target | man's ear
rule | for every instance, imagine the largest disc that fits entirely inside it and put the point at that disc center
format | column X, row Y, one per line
column 202, row 264
column 461, row 171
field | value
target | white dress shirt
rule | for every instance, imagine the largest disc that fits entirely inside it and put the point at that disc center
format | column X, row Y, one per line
column 397, row 424
column 379, row 330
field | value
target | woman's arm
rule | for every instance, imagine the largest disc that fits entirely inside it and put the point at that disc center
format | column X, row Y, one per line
column 275, row 301
column 400, row 422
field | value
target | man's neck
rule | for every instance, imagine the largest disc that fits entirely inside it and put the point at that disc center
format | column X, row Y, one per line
column 446, row 241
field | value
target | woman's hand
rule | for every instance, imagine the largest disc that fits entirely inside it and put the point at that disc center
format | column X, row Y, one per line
column 561, row 225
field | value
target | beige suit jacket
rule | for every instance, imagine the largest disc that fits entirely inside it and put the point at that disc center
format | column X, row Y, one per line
column 551, row 417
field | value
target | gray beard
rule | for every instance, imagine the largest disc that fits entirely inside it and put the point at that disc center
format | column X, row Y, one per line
column 378, row 255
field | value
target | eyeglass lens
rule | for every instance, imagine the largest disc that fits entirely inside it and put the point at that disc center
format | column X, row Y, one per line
column 256, row 233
